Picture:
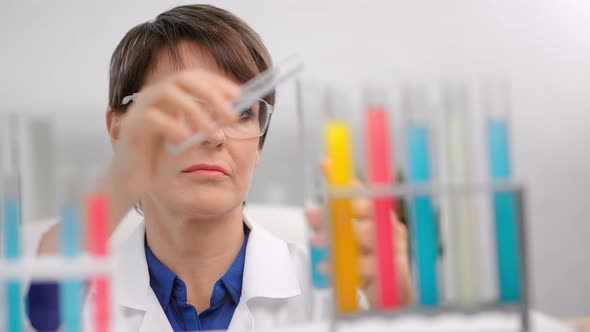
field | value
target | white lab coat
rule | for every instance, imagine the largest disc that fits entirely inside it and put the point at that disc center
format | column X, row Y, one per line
column 275, row 288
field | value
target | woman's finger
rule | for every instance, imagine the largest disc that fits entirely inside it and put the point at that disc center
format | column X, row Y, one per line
column 402, row 259
column 169, row 128
column 184, row 106
column 401, row 236
column 313, row 215
column 325, row 167
column 364, row 230
column 325, row 268
column 218, row 93
column 362, row 208
column 367, row 270
column 318, row 240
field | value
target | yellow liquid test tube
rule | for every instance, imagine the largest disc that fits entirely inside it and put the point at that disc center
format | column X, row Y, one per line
column 344, row 245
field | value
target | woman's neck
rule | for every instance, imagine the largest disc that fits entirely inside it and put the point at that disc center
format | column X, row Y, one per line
column 198, row 250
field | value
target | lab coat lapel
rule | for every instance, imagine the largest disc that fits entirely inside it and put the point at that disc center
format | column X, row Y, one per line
column 269, row 273
column 268, row 270
column 154, row 319
column 141, row 309
column 242, row 318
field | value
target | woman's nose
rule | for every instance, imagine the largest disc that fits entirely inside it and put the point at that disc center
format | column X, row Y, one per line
column 215, row 138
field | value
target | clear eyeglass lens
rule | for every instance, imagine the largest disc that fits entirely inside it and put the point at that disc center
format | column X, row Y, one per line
column 251, row 121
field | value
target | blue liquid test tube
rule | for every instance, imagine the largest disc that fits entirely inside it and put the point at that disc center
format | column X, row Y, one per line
column 71, row 290
column 313, row 188
column 318, row 255
column 505, row 213
column 11, row 220
column 424, row 232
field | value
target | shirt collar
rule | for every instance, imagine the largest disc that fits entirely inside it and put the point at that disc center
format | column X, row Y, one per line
column 162, row 279
column 232, row 279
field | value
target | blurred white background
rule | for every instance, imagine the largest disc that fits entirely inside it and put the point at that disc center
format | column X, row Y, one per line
column 54, row 60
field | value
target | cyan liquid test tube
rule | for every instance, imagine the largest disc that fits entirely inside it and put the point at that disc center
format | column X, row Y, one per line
column 504, row 202
column 505, row 214
column 11, row 220
column 71, row 290
column 319, row 255
column 321, row 297
column 312, row 178
column 424, row 231
column 423, row 228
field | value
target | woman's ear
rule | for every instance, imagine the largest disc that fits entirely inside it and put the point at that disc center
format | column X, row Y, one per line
column 113, row 123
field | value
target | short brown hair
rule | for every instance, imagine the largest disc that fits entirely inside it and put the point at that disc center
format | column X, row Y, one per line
column 236, row 48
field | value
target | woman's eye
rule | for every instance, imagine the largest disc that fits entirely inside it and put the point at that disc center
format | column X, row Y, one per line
column 246, row 114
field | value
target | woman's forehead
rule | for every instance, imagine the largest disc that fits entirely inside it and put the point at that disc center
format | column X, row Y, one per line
column 189, row 55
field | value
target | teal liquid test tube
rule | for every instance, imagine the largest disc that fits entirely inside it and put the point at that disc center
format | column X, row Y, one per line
column 423, row 223
column 308, row 97
column 318, row 247
column 11, row 216
column 71, row 290
column 505, row 213
column 319, row 255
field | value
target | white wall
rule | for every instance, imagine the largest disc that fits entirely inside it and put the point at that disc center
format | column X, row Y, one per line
column 54, row 57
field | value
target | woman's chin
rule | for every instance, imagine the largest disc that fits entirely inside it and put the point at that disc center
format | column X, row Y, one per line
column 205, row 205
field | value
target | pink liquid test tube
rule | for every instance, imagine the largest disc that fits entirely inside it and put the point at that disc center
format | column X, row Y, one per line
column 379, row 168
column 97, row 208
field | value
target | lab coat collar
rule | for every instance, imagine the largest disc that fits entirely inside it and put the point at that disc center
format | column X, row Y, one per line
column 132, row 271
column 269, row 270
column 133, row 284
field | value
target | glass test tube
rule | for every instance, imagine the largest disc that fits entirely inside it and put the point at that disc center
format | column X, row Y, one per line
column 308, row 99
column 96, row 209
column 380, row 168
column 496, row 104
column 344, row 251
column 423, row 227
column 11, row 215
column 72, row 235
column 462, row 209
column 11, row 219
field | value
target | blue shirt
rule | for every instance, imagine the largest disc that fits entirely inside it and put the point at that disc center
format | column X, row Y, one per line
column 42, row 306
column 172, row 295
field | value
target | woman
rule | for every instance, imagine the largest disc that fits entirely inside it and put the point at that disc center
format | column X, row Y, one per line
column 196, row 262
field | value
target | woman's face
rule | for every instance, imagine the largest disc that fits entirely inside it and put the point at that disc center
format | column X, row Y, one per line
column 215, row 174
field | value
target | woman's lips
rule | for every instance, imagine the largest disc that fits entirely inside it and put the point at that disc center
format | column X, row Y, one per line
column 206, row 170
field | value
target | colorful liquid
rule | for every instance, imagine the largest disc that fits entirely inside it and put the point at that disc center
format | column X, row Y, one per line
column 505, row 214
column 13, row 303
column 423, row 225
column 71, row 290
column 344, row 245
column 379, row 173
